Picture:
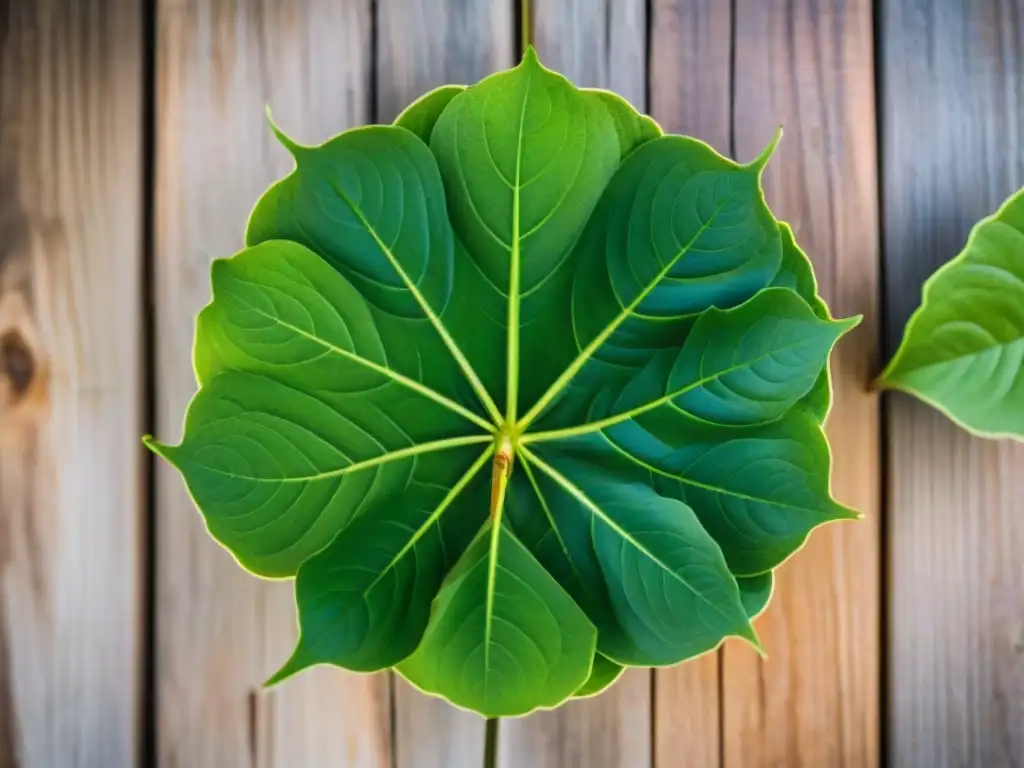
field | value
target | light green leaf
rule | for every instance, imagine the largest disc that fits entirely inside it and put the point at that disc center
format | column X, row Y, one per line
column 504, row 637
column 420, row 116
column 519, row 390
column 604, row 673
column 963, row 349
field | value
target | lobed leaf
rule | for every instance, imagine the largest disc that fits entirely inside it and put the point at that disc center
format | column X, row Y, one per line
column 530, row 278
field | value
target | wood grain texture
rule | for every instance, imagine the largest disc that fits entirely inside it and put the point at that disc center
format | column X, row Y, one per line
column 691, row 45
column 602, row 45
column 220, row 631
column 807, row 65
column 953, row 140
column 691, row 84
column 612, row 730
column 71, row 488
column 423, row 44
column 595, row 43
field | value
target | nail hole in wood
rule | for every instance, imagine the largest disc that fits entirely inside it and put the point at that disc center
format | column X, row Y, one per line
column 16, row 363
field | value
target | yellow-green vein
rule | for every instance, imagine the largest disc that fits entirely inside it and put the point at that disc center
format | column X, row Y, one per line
column 402, row 453
column 577, row 493
column 632, row 413
column 395, row 376
column 435, row 515
column 512, row 353
column 587, row 352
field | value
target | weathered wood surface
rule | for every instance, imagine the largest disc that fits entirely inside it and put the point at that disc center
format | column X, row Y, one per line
column 953, row 136
column 72, row 373
column 807, row 65
column 220, row 632
column 71, row 490
column 690, row 90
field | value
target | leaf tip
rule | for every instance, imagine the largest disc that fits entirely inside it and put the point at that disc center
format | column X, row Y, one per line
column 847, row 513
column 291, row 667
column 162, row 450
column 530, row 56
column 749, row 634
column 759, row 162
column 286, row 142
column 851, row 322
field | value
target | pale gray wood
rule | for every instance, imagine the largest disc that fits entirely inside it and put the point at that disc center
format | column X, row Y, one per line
column 71, row 468
column 807, row 65
column 423, row 44
column 220, row 631
column 691, row 44
column 595, row 43
column 953, row 138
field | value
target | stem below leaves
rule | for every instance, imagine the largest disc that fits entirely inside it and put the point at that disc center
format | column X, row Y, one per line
column 491, row 743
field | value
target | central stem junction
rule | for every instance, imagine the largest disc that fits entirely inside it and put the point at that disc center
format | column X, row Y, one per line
column 501, row 466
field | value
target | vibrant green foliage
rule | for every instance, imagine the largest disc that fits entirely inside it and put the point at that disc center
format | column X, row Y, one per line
column 963, row 349
column 519, row 390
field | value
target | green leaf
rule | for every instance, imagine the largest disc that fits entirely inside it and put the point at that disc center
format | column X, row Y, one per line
column 519, row 391
column 755, row 592
column 604, row 673
column 504, row 637
column 420, row 116
column 667, row 589
column 963, row 349
column 796, row 273
column 348, row 591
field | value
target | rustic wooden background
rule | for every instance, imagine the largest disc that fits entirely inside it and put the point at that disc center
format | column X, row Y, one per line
column 132, row 145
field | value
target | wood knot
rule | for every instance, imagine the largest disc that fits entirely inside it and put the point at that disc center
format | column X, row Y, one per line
column 17, row 364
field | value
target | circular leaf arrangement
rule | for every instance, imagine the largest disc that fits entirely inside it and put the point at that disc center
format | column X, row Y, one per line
column 520, row 391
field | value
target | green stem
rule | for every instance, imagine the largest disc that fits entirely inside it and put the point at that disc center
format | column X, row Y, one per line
column 491, row 743
column 524, row 23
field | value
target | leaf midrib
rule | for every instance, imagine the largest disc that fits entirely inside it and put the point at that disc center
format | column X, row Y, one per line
column 385, row 458
column 958, row 358
column 453, row 348
column 395, row 376
column 632, row 413
column 512, row 353
column 581, row 359
column 434, row 517
column 705, row 486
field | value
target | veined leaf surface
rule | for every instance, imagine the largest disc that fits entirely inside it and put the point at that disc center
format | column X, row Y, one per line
column 963, row 349
column 519, row 390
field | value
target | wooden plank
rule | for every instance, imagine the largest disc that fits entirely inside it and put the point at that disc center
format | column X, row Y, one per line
column 71, row 496
column 807, row 65
column 70, row 466
column 690, row 94
column 953, row 139
column 602, row 45
column 595, row 43
column 423, row 44
column 221, row 632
